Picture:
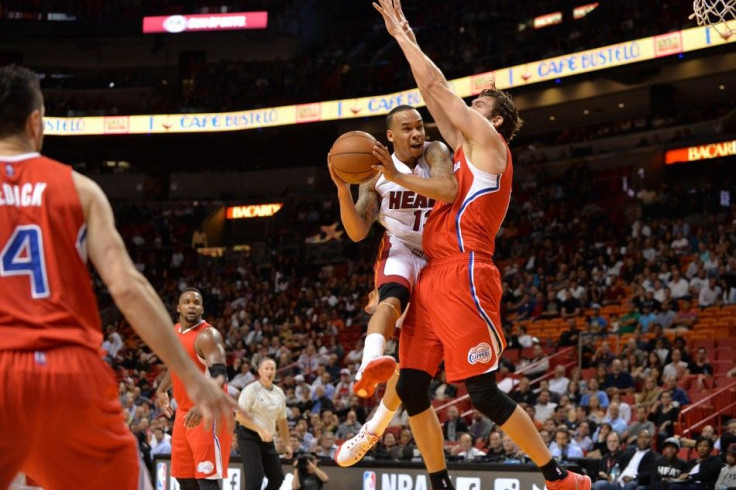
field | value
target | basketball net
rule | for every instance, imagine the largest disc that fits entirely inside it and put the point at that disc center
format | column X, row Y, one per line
column 719, row 14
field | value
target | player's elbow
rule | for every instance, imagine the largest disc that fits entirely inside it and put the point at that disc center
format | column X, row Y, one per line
column 356, row 235
column 451, row 190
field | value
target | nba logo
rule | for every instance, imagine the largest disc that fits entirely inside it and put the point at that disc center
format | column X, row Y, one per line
column 369, row 480
column 161, row 471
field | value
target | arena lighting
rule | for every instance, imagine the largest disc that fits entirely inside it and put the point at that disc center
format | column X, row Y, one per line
column 175, row 24
column 547, row 20
column 571, row 64
column 253, row 210
column 700, row 152
column 583, row 10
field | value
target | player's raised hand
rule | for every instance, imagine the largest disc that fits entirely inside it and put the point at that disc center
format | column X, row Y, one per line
column 386, row 167
column 391, row 16
column 213, row 403
column 403, row 22
column 341, row 184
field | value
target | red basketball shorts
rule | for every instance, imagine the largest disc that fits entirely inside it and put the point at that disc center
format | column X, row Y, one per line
column 197, row 452
column 397, row 262
column 62, row 423
column 454, row 316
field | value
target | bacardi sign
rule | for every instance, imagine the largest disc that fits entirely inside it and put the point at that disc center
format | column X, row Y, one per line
column 253, row 210
column 701, row 152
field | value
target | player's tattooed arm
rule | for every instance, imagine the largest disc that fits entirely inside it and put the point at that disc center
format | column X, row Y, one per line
column 358, row 218
column 369, row 202
column 439, row 158
column 442, row 184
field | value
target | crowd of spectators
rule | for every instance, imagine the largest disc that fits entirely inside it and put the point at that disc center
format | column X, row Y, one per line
column 631, row 282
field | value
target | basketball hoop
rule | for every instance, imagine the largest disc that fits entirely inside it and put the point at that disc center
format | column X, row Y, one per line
column 720, row 14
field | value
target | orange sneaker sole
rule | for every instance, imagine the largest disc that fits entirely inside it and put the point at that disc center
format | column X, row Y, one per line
column 377, row 371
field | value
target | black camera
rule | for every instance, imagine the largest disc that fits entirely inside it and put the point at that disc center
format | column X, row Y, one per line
column 302, row 461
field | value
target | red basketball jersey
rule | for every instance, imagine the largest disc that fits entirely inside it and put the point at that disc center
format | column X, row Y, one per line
column 46, row 296
column 187, row 338
column 471, row 222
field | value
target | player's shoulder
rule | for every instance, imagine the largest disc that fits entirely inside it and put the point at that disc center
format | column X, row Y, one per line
column 437, row 152
column 45, row 164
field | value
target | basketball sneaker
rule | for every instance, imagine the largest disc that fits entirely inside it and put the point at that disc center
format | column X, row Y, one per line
column 353, row 450
column 573, row 481
column 379, row 370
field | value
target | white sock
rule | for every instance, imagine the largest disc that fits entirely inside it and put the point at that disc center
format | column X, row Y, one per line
column 374, row 346
column 380, row 420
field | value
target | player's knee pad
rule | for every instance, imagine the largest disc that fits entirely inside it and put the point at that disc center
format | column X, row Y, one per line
column 394, row 290
column 207, row 484
column 488, row 399
column 187, row 484
column 413, row 389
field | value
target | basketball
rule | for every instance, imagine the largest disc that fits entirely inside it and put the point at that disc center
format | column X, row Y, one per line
column 351, row 156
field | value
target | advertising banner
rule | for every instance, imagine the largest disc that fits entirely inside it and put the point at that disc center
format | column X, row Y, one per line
column 175, row 24
column 468, row 476
column 672, row 43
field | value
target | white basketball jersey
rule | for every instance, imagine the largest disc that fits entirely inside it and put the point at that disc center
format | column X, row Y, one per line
column 404, row 212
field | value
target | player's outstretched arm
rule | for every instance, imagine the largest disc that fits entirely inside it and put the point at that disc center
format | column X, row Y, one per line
column 449, row 133
column 442, row 184
column 486, row 149
column 138, row 301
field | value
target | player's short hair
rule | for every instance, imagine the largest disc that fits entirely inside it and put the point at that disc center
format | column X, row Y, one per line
column 396, row 110
column 505, row 107
column 190, row 290
column 20, row 95
column 264, row 359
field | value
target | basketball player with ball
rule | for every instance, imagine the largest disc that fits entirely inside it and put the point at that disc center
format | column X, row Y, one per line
column 455, row 313
column 385, row 196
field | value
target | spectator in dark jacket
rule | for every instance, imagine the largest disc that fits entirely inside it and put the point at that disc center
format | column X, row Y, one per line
column 454, row 425
column 609, row 466
column 668, row 468
column 705, row 468
column 618, row 378
column 636, row 465
column 664, row 416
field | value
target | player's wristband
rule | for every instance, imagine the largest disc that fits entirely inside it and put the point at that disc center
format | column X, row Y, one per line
column 218, row 369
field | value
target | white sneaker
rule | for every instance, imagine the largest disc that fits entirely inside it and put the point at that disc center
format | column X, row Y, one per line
column 353, row 450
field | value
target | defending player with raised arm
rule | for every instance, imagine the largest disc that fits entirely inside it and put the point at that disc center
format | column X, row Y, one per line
column 403, row 213
column 199, row 455
column 49, row 320
column 462, row 325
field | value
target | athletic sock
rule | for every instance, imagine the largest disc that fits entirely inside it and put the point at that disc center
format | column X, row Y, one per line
column 552, row 471
column 380, row 420
column 374, row 347
column 441, row 480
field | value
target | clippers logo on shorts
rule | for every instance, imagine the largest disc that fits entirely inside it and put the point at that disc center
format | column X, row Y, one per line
column 480, row 353
column 205, row 467
column 369, row 480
